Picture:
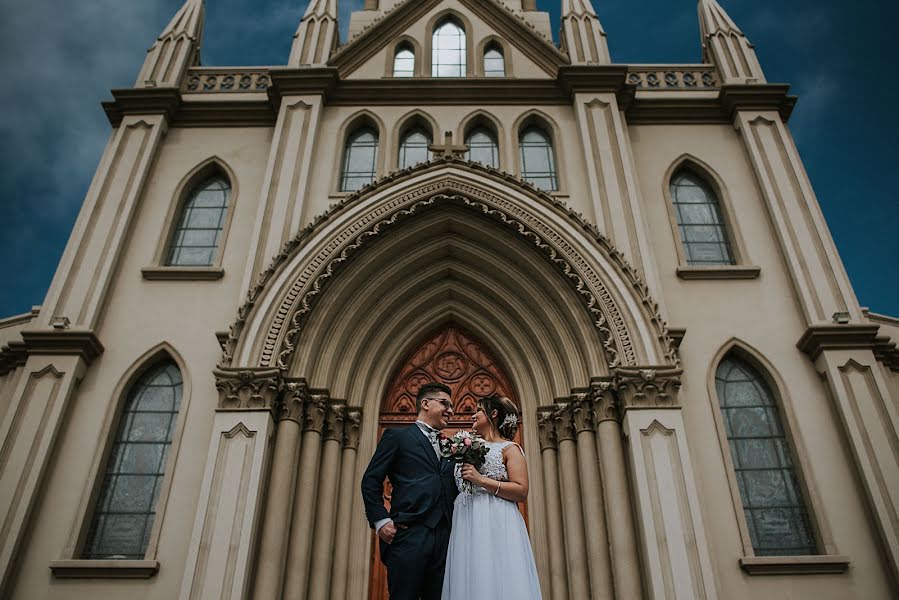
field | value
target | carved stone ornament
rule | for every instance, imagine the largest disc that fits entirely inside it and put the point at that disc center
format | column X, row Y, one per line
column 352, row 426
column 247, row 389
column 335, row 416
column 315, row 410
column 546, row 429
column 563, row 419
column 582, row 413
column 296, row 393
column 604, row 399
column 647, row 387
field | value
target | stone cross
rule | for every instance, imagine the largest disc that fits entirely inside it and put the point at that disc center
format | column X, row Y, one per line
column 448, row 148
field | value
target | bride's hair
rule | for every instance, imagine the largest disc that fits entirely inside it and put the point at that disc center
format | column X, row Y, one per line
column 507, row 415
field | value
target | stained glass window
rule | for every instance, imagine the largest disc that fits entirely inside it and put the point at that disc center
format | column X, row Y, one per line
column 360, row 157
column 772, row 498
column 197, row 235
column 699, row 221
column 123, row 517
column 482, row 147
column 404, row 61
column 537, row 161
column 414, row 148
column 448, row 50
column 494, row 63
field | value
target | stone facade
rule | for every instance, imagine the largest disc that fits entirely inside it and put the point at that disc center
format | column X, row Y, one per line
column 286, row 341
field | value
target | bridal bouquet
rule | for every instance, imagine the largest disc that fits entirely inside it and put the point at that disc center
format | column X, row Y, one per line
column 464, row 447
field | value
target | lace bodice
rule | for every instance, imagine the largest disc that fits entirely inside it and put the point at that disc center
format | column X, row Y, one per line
column 493, row 466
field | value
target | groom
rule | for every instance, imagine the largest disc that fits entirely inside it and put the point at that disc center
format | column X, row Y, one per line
column 415, row 533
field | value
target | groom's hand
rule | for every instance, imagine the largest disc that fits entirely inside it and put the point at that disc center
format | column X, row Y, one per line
column 387, row 532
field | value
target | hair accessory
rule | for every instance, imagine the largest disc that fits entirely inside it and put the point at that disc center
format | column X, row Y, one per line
column 510, row 420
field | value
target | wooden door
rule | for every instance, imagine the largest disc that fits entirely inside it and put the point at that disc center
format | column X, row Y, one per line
column 457, row 359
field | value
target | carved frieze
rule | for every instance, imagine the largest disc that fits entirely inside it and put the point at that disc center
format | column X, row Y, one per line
column 296, row 394
column 247, row 389
column 352, row 425
column 546, row 429
column 647, row 387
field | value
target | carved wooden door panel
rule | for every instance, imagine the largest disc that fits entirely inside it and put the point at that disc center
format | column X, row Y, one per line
column 455, row 358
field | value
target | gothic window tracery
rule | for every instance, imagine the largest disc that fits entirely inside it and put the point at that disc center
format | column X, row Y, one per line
column 700, row 221
column 414, row 147
column 198, row 232
column 360, row 159
column 126, row 506
column 538, row 164
column 494, row 61
column 448, row 50
column 482, row 147
column 773, row 502
column 404, row 61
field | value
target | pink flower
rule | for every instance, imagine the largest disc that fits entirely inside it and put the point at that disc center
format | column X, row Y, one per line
column 467, row 441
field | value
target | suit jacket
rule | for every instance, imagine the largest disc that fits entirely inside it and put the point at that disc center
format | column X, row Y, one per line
column 423, row 485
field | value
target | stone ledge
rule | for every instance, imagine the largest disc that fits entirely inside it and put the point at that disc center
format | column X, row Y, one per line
column 818, row 338
column 719, row 272
column 795, row 565
column 182, row 273
column 104, row 569
column 84, row 343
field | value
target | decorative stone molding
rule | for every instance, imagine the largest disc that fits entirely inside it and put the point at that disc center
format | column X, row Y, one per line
column 563, row 422
column 546, row 429
column 142, row 101
column 352, row 426
column 672, row 77
column 885, row 351
column 647, row 387
column 582, row 413
column 12, row 356
column 603, row 397
column 818, row 338
column 247, row 389
column 296, row 395
column 204, row 80
column 83, row 343
column 315, row 410
column 335, row 418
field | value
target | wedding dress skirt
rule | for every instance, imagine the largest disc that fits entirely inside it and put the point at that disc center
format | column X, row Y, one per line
column 489, row 555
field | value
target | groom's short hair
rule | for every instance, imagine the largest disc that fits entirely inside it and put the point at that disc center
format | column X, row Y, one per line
column 428, row 389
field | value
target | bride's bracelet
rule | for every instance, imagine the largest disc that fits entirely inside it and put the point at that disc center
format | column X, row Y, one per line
column 499, row 484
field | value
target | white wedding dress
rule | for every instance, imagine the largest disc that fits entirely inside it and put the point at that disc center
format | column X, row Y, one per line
column 489, row 555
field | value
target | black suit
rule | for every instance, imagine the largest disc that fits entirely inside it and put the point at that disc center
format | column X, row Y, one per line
column 422, row 500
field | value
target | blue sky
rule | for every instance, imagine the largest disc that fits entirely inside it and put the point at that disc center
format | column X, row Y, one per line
column 58, row 60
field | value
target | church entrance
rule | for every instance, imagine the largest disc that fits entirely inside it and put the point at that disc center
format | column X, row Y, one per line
column 456, row 358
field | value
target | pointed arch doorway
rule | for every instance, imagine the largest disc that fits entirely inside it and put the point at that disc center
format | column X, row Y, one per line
column 458, row 359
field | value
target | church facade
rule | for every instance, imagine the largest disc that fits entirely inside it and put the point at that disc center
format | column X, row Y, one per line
column 270, row 260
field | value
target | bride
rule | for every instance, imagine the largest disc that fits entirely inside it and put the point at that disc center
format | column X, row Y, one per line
column 489, row 553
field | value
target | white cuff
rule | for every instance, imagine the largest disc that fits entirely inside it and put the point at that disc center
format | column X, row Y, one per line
column 381, row 523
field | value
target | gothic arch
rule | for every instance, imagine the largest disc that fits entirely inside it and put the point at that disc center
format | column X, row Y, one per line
column 542, row 120
column 359, row 119
column 411, row 119
column 504, row 47
column 463, row 22
column 484, row 118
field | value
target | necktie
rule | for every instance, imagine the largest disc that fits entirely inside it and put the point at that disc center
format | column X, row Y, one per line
column 432, row 437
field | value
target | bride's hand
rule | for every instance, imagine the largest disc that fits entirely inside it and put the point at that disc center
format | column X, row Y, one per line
column 469, row 473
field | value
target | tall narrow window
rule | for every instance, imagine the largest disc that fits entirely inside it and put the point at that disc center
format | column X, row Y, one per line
column 404, row 61
column 772, row 499
column 123, row 517
column 196, row 237
column 494, row 63
column 448, row 50
column 538, row 164
column 482, row 147
column 414, row 148
column 699, row 221
column 360, row 158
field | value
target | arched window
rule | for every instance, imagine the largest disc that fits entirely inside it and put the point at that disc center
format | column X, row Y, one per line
column 126, row 505
column 699, row 221
column 360, row 159
column 404, row 61
column 776, row 515
column 494, row 63
column 196, row 237
column 414, row 147
column 538, row 164
column 482, row 147
column 448, row 50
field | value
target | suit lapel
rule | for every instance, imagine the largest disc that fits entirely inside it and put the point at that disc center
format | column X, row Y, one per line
column 425, row 444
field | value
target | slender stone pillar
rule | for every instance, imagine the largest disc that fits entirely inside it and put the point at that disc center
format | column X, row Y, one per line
column 279, row 503
column 572, row 516
column 300, row 544
column 558, row 580
column 325, row 513
column 339, row 572
column 592, row 499
column 622, row 534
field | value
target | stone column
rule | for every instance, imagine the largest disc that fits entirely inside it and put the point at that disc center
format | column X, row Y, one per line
column 672, row 535
column 222, row 545
column 325, row 513
column 572, row 514
column 558, row 576
column 348, row 491
column 617, row 493
column 279, row 503
column 592, row 499
column 300, row 544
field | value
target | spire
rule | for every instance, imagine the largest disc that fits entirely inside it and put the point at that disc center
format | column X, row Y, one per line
column 724, row 45
column 176, row 48
column 316, row 37
column 583, row 37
